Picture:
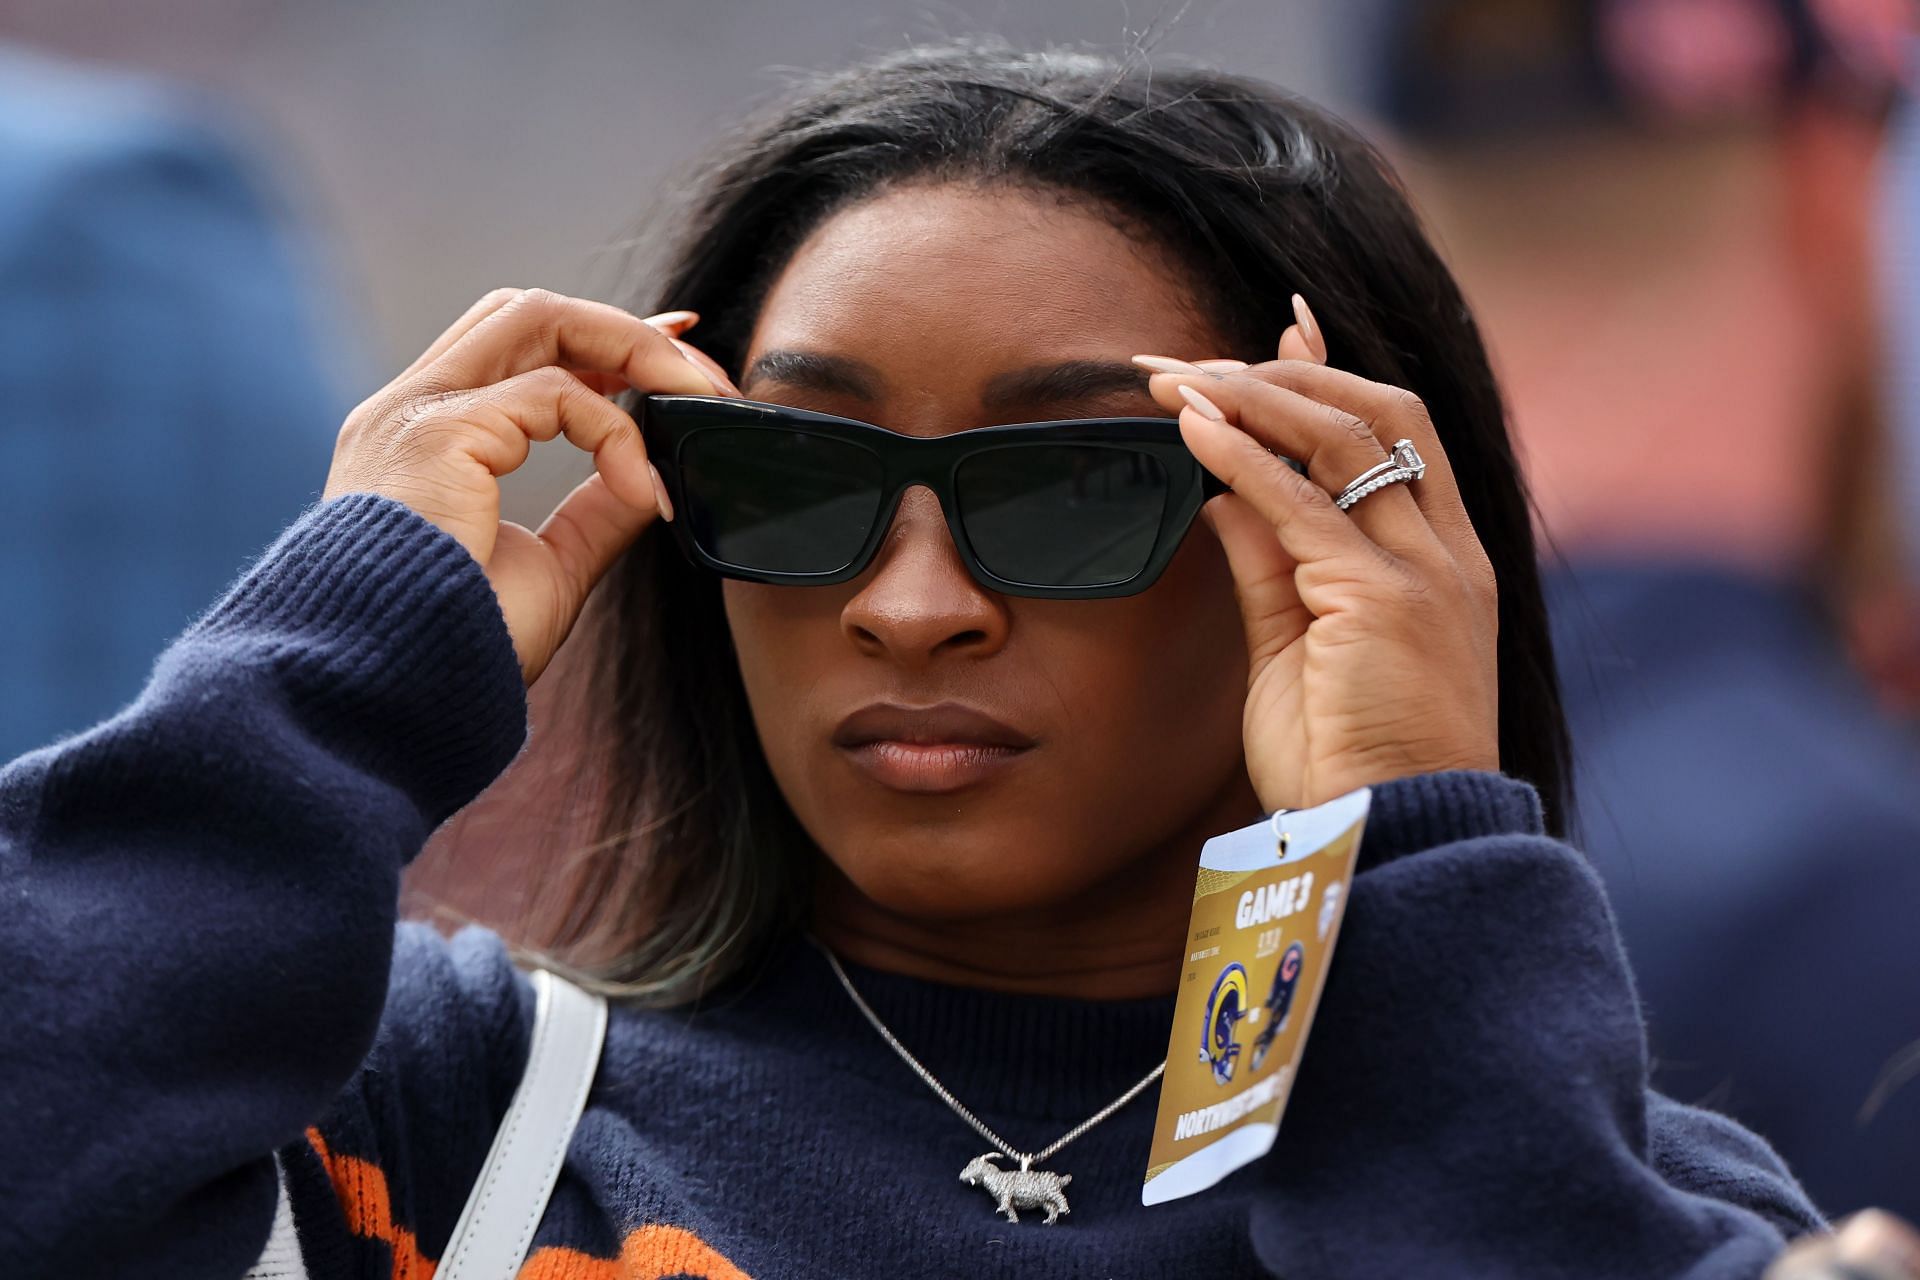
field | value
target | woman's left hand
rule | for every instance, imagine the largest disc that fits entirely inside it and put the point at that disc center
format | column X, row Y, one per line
column 1371, row 632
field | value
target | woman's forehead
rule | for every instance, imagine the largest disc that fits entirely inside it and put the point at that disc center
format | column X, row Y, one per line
column 990, row 278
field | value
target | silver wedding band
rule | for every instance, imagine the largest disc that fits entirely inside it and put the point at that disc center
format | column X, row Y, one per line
column 1403, row 464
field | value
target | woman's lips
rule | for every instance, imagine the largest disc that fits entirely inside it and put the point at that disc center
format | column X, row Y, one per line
column 931, row 749
column 931, row 767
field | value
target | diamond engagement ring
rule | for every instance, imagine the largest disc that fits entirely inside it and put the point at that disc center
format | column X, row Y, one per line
column 1403, row 464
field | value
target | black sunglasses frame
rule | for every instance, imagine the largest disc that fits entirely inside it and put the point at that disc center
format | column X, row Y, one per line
column 667, row 422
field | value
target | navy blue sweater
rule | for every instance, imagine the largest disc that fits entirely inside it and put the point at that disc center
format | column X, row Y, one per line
column 208, row 998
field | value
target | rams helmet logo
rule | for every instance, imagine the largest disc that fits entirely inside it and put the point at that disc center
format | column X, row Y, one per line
column 1225, row 1007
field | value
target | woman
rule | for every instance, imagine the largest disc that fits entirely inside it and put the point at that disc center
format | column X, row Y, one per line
column 978, row 795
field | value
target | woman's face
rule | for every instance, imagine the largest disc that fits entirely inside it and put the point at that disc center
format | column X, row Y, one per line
column 935, row 309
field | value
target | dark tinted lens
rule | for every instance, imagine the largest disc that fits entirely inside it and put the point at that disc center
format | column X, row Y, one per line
column 1067, row 515
column 779, row 501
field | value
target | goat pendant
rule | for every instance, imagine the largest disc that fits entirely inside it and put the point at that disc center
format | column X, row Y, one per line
column 1016, row 1189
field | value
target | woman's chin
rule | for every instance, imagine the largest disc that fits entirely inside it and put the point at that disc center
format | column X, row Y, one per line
column 963, row 879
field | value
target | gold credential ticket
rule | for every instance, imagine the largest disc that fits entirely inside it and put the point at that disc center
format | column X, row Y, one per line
column 1267, row 906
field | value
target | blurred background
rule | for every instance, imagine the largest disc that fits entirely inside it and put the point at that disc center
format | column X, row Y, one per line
column 1690, row 230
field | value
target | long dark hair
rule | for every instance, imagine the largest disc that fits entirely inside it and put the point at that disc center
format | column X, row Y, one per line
column 695, row 860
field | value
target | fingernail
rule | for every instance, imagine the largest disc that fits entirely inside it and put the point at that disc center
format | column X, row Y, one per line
column 674, row 319
column 711, row 372
column 1166, row 364
column 1308, row 329
column 660, row 494
column 1220, row 366
column 1205, row 407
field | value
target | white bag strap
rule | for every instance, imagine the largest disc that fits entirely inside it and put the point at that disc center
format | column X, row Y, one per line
column 490, row 1240
column 281, row 1259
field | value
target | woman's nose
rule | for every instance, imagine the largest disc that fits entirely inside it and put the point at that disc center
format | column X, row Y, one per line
column 917, row 602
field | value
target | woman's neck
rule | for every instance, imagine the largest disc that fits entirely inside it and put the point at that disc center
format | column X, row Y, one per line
column 1121, row 939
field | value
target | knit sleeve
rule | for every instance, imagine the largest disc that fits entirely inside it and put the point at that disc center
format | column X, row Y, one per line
column 201, row 891
column 1476, row 1086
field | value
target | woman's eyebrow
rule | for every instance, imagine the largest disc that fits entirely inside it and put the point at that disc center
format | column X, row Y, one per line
column 845, row 375
column 1067, row 380
column 812, row 371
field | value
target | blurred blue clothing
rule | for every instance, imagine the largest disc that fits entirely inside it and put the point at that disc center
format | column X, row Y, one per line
column 164, row 407
column 1757, row 822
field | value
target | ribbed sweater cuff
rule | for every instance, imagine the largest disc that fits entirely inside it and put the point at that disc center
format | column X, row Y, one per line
column 1424, row 810
column 384, row 630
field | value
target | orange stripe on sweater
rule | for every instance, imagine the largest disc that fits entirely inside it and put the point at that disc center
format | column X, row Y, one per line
column 648, row 1253
column 361, row 1187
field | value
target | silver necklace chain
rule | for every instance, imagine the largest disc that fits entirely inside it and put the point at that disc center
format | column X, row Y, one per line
column 1027, row 1160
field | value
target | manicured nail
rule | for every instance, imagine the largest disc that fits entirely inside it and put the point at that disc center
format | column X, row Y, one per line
column 1166, row 364
column 1205, row 407
column 1308, row 329
column 1220, row 366
column 660, row 494
column 675, row 320
column 715, row 377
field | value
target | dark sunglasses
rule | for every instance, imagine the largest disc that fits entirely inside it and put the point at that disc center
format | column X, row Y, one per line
column 1085, row 507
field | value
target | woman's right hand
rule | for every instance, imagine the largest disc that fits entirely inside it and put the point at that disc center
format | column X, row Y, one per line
column 524, row 365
